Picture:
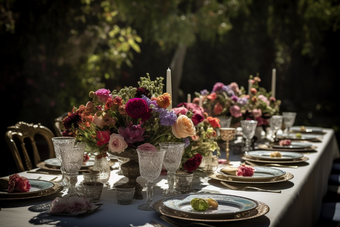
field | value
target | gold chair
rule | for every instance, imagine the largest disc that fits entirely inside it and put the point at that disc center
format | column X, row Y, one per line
column 22, row 131
column 58, row 125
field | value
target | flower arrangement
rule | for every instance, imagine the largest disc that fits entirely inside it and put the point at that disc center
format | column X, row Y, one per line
column 204, row 142
column 117, row 120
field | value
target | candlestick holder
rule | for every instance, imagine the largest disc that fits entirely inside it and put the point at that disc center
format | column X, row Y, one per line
column 227, row 134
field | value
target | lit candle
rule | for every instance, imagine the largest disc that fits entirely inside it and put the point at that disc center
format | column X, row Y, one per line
column 168, row 86
column 189, row 98
column 273, row 82
column 250, row 84
column 201, row 101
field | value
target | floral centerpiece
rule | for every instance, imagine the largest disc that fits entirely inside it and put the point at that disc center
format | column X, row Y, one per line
column 224, row 100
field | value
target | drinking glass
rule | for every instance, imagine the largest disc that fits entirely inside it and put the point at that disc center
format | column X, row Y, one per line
column 275, row 125
column 226, row 135
column 248, row 129
column 72, row 155
column 289, row 119
column 150, row 166
column 172, row 160
column 59, row 143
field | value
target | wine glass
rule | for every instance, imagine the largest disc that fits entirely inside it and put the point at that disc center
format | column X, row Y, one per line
column 248, row 129
column 72, row 154
column 150, row 166
column 172, row 160
column 275, row 124
column 226, row 135
column 289, row 119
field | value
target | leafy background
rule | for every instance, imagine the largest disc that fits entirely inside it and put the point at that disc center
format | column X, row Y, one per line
column 54, row 52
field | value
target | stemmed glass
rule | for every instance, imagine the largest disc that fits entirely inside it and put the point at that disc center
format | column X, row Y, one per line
column 72, row 154
column 248, row 129
column 226, row 135
column 172, row 160
column 150, row 166
column 289, row 119
column 59, row 142
column 275, row 124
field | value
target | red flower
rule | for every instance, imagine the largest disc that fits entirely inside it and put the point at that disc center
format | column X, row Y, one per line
column 215, row 122
column 218, row 109
column 137, row 108
column 253, row 91
column 17, row 183
column 193, row 163
column 86, row 158
column 212, row 96
column 103, row 137
column 197, row 118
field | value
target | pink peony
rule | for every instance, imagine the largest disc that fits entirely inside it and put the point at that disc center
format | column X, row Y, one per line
column 196, row 109
column 132, row 133
column 196, row 100
column 235, row 111
column 234, row 87
column 103, row 95
column 103, row 137
column 17, row 183
column 180, row 110
column 257, row 113
column 117, row 143
column 147, row 147
column 218, row 86
column 245, row 171
column 137, row 108
column 285, row 142
column 264, row 99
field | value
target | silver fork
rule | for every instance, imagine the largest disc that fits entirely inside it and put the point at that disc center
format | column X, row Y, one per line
column 271, row 164
column 243, row 188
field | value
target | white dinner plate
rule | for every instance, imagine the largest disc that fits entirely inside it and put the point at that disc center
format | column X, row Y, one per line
column 56, row 162
column 308, row 129
column 266, row 155
column 293, row 145
column 36, row 186
column 260, row 174
column 302, row 137
column 228, row 205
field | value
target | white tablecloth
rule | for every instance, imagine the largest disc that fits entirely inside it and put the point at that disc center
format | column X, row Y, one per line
column 299, row 203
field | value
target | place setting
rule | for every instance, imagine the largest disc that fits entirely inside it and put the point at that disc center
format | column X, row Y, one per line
column 300, row 137
column 287, row 145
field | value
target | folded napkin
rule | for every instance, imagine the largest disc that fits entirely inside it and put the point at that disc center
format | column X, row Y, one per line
column 229, row 170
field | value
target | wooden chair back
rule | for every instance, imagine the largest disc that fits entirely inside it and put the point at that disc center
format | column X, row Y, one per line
column 22, row 131
column 58, row 125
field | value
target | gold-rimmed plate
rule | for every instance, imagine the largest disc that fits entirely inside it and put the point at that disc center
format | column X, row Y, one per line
column 308, row 149
column 285, row 155
column 249, row 158
column 31, row 195
column 286, row 177
column 259, row 211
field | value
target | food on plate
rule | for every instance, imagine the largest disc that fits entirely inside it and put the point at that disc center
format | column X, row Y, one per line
column 203, row 204
column 285, row 142
column 298, row 135
column 303, row 128
column 276, row 154
column 229, row 170
column 245, row 170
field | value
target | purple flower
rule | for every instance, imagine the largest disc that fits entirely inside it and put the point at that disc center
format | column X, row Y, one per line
column 186, row 141
column 234, row 98
column 226, row 88
column 242, row 101
column 218, row 86
column 230, row 93
column 167, row 118
column 205, row 92
column 149, row 102
column 132, row 133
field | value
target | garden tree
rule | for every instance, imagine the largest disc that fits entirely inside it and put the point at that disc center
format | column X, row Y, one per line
column 176, row 25
column 57, row 51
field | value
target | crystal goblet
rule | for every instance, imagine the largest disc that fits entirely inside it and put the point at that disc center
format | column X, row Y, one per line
column 172, row 160
column 275, row 124
column 227, row 134
column 248, row 129
column 150, row 166
column 289, row 119
column 72, row 154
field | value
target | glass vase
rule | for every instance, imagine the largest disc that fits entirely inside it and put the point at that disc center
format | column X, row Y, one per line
column 102, row 165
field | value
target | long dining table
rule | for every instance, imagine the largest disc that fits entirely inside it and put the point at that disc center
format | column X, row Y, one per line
column 298, row 204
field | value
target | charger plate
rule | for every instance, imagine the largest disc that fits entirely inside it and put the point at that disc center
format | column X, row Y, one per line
column 286, row 177
column 249, row 158
column 259, row 211
column 228, row 205
column 266, row 147
column 266, row 155
column 34, row 194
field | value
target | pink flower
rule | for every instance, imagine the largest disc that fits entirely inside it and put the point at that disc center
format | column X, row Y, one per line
column 195, row 138
column 272, row 99
column 109, row 120
column 117, row 143
column 180, row 110
column 235, row 111
column 257, row 113
column 103, row 137
column 86, row 158
column 218, row 109
column 196, row 100
column 245, row 171
column 17, row 183
column 285, row 142
column 197, row 118
column 98, row 121
column 196, row 109
column 103, row 95
column 218, row 86
column 137, row 108
column 234, row 87
column 264, row 99
column 59, row 205
column 147, row 147
column 132, row 133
